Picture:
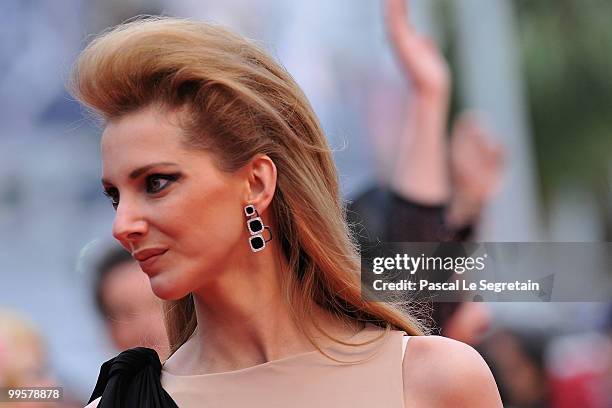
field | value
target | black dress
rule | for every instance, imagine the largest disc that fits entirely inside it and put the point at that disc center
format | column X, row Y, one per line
column 132, row 380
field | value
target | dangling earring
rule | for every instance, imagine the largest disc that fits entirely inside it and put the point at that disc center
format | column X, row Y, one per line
column 255, row 226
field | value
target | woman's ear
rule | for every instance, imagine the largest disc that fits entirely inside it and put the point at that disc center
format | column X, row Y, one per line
column 261, row 182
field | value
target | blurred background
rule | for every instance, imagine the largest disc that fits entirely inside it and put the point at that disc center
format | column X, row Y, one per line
column 539, row 72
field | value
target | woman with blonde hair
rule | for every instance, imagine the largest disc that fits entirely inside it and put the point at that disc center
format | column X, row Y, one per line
column 226, row 193
column 23, row 360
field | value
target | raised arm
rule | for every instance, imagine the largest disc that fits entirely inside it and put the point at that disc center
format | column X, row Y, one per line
column 421, row 169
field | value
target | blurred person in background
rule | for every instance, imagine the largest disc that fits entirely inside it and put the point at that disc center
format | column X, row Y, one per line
column 467, row 322
column 536, row 368
column 476, row 170
column 24, row 361
column 606, row 384
column 131, row 311
column 433, row 195
column 580, row 368
column 436, row 192
column 517, row 359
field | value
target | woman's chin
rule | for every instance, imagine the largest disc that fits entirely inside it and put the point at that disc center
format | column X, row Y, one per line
column 165, row 290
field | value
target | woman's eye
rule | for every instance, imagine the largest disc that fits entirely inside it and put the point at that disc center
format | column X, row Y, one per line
column 154, row 184
column 113, row 196
column 157, row 182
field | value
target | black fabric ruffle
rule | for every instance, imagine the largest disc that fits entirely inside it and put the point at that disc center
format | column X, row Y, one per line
column 132, row 380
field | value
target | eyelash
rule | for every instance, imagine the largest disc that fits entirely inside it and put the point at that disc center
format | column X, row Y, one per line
column 113, row 194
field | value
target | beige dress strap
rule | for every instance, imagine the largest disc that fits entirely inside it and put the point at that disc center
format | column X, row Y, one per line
column 405, row 344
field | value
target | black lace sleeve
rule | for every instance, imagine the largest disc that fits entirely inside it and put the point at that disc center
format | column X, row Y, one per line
column 409, row 221
column 380, row 214
column 132, row 380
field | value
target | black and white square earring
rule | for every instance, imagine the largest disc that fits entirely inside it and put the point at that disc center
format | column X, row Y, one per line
column 249, row 210
column 255, row 226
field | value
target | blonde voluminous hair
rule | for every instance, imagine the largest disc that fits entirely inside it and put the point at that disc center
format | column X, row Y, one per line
column 238, row 102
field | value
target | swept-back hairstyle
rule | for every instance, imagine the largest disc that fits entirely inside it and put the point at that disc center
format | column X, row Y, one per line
column 237, row 102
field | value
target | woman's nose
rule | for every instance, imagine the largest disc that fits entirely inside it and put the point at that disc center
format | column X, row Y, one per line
column 129, row 224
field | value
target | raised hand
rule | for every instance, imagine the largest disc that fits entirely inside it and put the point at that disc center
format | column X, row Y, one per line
column 421, row 61
column 421, row 167
column 477, row 163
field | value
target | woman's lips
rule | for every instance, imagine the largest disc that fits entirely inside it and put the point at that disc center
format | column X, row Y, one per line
column 148, row 257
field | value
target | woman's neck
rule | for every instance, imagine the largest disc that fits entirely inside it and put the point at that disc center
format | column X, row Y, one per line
column 243, row 320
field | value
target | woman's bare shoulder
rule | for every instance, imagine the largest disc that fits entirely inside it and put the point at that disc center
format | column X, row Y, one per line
column 94, row 403
column 441, row 372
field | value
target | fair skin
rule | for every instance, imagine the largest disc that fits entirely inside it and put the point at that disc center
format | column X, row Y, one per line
column 422, row 148
column 441, row 372
column 477, row 164
column 469, row 323
column 198, row 220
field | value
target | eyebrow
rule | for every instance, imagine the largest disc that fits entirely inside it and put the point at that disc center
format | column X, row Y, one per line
column 139, row 171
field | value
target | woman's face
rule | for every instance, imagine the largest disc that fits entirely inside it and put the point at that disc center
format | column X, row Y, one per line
column 179, row 216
